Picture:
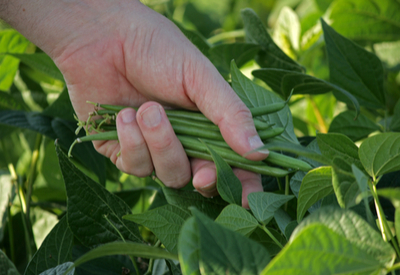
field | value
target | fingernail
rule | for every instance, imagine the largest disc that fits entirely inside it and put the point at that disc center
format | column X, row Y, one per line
column 255, row 142
column 128, row 116
column 152, row 116
column 208, row 187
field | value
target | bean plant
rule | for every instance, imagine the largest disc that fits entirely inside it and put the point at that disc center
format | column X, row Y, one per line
column 322, row 81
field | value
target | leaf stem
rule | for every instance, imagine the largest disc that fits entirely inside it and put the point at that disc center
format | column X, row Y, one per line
column 123, row 239
column 225, row 35
column 263, row 227
column 32, row 172
column 393, row 267
column 384, row 227
column 22, row 200
column 286, row 191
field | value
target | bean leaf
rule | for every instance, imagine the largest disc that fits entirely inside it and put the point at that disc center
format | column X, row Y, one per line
column 228, row 185
column 237, row 219
column 6, row 265
column 380, row 154
column 165, row 222
column 263, row 204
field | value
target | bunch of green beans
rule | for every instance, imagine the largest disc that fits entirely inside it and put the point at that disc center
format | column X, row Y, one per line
column 190, row 127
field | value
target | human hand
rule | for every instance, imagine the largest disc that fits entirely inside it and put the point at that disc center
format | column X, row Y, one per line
column 126, row 54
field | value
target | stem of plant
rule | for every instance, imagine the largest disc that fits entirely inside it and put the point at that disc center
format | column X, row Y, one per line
column 393, row 267
column 22, row 200
column 263, row 227
column 123, row 239
column 10, row 230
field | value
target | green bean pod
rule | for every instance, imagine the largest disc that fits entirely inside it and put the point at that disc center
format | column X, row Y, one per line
column 287, row 162
column 267, row 109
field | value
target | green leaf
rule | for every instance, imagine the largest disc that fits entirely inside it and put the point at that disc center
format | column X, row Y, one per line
column 228, row 185
column 89, row 204
column 355, row 129
column 54, row 251
column 272, row 56
column 7, row 194
column 261, row 237
column 287, row 29
column 61, row 107
column 254, row 95
column 316, row 185
column 6, row 266
column 230, row 252
column 263, row 205
column 185, row 199
column 328, row 253
column 395, row 123
column 165, row 222
column 189, row 247
column 344, row 183
column 237, row 219
column 282, row 219
column 11, row 41
column 41, row 62
column 354, row 69
column 337, row 145
column 222, row 55
column 60, row 270
column 354, row 229
column 285, row 82
column 372, row 21
column 380, row 154
column 10, row 102
column 121, row 248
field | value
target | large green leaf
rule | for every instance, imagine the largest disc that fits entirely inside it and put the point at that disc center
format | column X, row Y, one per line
column 228, row 185
column 354, row 69
column 263, row 204
column 353, row 228
column 254, row 95
column 337, row 145
column 6, row 266
column 320, row 250
column 316, row 185
column 41, row 62
column 355, row 129
column 91, row 209
column 272, row 56
column 237, row 219
column 55, row 249
column 373, row 20
column 165, row 222
column 222, row 55
column 380, row 154
column 184, row 199
column 230, row 252
column 11, row 41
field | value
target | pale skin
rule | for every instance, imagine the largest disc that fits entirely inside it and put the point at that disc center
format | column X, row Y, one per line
column 122, row 52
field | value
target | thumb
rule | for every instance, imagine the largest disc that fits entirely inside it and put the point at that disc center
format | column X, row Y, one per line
column 217, row 101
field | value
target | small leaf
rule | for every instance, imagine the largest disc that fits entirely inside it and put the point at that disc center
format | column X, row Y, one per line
column 353, row 228
column 60, row 270
column 287, row 28
column 316, row 185
column 165, row 222
column 272, row 55
column 237, row 219
column 6, row 266
column 41, row 62
column 362, row 182
column 371, row 21
column 380, row 154
column 354, row 69
column 228, row 185
column 282, row 219
column 337, row 145
column 344, row 184
column 231, row 252
column 54, row 251
column 254, row 95
column 263, row 205
column 88, row 205
column 355, row 129
column 184, row 199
